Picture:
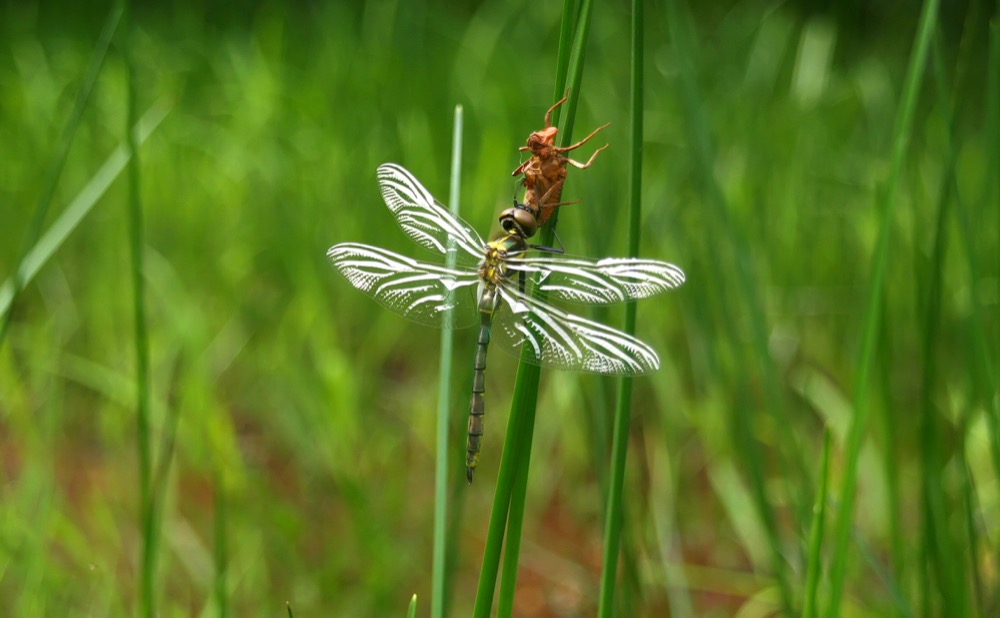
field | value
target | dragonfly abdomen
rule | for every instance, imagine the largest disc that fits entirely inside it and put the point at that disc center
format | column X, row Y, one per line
column 478, row 407
column 489, row 302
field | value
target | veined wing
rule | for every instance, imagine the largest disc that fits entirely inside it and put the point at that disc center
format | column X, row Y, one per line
column 417, row 290
column 565, row 341
column 424, row 219
column 610, row 280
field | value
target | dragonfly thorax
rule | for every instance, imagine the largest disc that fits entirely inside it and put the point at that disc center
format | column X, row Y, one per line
column 493, row 268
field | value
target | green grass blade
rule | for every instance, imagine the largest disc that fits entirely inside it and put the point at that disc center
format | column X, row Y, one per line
column 614, row 518
column 221, row 534
column 575, row 79
column 983, row 362
column 565, row 44
column 411, row 611
column 946, row 563
column 815, row 555
column 859, row 421
column 438, row 580
column 81, row 205
column 520, row 426
column 11, row 289
column 734, row 257
column 515, row 522
column 515, row 516
column 150, row 537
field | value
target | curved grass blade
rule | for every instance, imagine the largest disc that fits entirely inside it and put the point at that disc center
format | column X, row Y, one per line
column 81, row 205
column 12, row 288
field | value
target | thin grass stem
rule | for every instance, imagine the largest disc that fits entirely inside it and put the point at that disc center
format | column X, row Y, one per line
column 859, row 420
column 734, row 257
column 515, row 524
column 614, row 517
column 220, row 544
column 520, row 425
column 815, row 555
column 148, row 522
column 438, row 575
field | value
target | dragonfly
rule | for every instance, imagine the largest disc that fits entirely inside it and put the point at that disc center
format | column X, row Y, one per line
column 497, row 283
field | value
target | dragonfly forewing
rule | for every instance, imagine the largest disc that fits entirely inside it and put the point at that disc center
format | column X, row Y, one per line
column 610, row 280
column 565, row 341
column 424, row 219
column 416, row 290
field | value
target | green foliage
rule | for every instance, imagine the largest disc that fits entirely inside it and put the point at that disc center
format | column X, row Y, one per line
column 298, row 418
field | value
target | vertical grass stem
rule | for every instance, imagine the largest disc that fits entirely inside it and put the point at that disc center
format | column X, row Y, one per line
column 859, row 421
column 444, row 398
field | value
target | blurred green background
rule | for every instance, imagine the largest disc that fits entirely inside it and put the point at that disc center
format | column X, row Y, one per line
column 307, row 413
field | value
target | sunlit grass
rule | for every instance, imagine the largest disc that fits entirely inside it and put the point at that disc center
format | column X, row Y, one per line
column 303, row 463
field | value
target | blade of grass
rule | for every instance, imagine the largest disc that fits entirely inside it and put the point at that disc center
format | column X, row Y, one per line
column 520, row 425
column 220, row 524
column 891, row 459
column 411, row 611
column 20, row 278
column 971, row 528
column 816, row 533
column 983, row 361
column 515, row 516
column 438, row 580
column 81, row 205
column 565, row 44
column 980, row 355
column 522, row 414
column 901, row 138
column 150, row 537
column 613, row 520
column 734, row 257
column 947, row 564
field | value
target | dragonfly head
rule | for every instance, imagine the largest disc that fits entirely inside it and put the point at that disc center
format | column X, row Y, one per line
column 519, row 220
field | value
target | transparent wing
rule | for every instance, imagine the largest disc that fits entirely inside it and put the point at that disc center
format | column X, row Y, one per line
column 610, row 280
column 424, row 219
column 413, row 289
column 565, row 341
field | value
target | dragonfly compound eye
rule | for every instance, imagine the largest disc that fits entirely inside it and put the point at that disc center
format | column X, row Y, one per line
column 519, row 221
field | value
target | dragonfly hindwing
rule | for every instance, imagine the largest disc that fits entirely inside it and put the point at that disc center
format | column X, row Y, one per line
column 566, row 341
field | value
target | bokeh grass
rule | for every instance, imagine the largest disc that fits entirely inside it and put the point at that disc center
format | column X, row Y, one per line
column 304, row 453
